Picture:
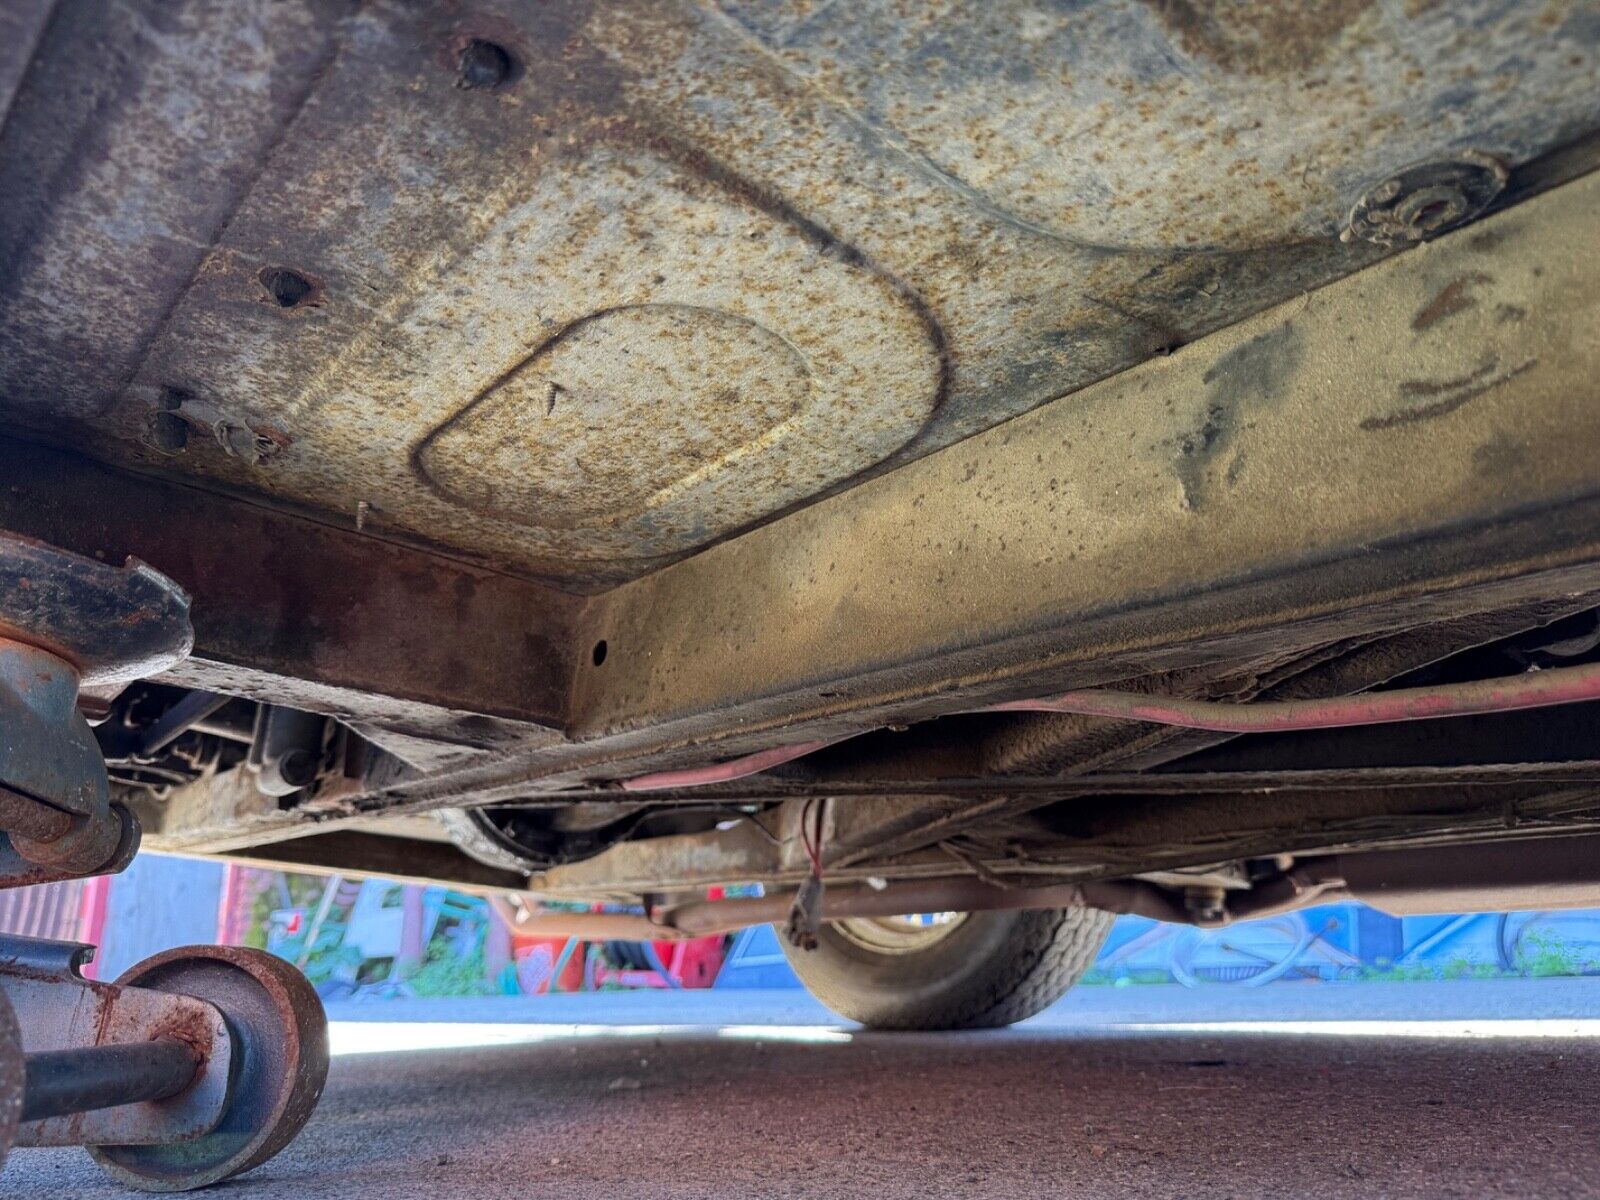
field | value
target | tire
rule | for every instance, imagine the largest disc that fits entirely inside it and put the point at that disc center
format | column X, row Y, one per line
column 988, row 970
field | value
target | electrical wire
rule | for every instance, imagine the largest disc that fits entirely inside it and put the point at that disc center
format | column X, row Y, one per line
column 1534, row 689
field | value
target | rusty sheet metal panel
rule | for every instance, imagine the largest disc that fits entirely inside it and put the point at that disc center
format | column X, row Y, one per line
column 1349, row 443
column 1397, row 450
column 575, row 288
column 292, row 611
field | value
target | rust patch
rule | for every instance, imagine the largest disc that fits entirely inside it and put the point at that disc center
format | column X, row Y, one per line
column 1057, row 190
column 1255, row 38
column 651, row 398
column 191, row 1026
column 278, row 438
column 1453, row 392
column 1454, row 298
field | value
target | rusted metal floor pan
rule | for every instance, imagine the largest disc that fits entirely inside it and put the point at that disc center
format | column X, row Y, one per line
column 573, row 289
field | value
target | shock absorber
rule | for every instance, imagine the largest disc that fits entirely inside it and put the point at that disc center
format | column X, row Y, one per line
column 197, row 1064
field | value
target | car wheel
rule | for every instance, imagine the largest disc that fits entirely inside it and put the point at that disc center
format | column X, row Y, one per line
column 950, row 970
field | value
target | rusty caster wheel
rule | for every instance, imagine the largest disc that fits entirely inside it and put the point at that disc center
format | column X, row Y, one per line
column 12, row 1077
column 281, row 1063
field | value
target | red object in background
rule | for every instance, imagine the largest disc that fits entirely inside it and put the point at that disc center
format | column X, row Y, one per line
column 92, row 916
column 694, row 964
column 689, row 964
column 73, row 910
column 684, row 964
column 536, row 959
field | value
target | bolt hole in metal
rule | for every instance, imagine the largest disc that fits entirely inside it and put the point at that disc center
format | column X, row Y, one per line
column 169, row 432
column 487, row 65
column 600, row 652
column 899, row 935
column 288, row 289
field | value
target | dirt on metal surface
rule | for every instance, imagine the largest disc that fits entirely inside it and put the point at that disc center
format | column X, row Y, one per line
column 1224, row 462
column 573, row 289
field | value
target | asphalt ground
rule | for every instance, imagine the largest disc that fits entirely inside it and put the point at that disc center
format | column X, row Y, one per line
column 1412, row 1090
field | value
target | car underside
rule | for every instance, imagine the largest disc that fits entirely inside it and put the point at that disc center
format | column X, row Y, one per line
column 1031, row 461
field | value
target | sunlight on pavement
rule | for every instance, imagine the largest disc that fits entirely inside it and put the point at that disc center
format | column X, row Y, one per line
column 1584, row 1027
column 783, row 1033
column 391, row 1037
column 388, row 1037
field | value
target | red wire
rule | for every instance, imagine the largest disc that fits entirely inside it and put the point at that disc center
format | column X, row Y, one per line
column 812, row 841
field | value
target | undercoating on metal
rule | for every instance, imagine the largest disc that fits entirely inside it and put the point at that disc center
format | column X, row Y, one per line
column 572, row 289
column 1357, row 423
column 367, row 316
column 927, row 591
column 290, row 611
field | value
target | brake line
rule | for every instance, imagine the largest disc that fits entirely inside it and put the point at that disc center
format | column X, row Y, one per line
column 1534, row 689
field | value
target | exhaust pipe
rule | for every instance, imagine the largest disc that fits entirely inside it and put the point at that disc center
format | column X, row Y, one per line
column 1522, row 874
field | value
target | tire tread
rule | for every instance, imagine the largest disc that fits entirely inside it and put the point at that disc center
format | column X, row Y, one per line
column 1044, row 954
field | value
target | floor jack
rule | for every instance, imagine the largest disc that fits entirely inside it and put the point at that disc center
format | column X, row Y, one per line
column 197, row 1064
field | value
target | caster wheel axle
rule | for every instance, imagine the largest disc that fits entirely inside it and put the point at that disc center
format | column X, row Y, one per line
column 196, row 1065
column 59, row 1083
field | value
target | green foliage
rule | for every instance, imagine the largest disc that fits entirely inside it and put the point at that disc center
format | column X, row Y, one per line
column 1544, row 956
column 331, row 960
column 1401, row 973
column 260, row 915
column 445, row 973
column 1097, row 976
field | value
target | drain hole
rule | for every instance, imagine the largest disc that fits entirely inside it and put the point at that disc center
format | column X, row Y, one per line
column 599, row 652
column 486, row 65
column 288, row 289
